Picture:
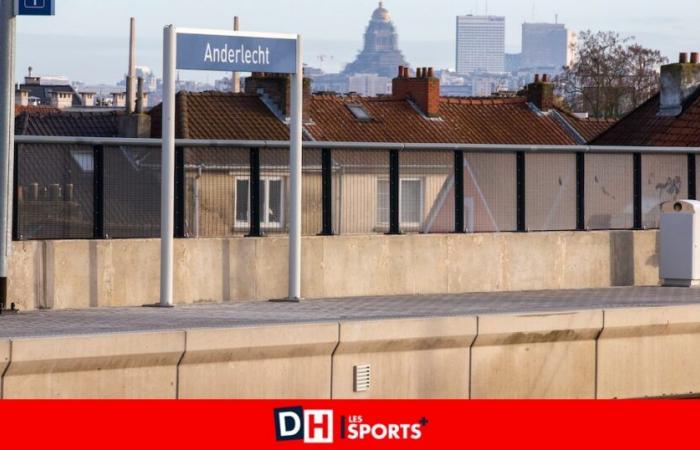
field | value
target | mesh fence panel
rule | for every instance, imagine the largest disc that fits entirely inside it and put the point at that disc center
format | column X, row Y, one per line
column 217, row 192
column 427, row 192
column 360, row 191
column 664, row 179
column 550, row 192
column 609, row 192
column 312, row 193
column 132, row 182
column 490, row 192
column 55, row 191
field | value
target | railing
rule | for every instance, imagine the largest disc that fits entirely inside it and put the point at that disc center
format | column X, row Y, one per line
column 109, row 188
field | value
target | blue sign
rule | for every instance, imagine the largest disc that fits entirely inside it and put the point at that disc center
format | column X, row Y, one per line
column 35, row 7
column 236, row 53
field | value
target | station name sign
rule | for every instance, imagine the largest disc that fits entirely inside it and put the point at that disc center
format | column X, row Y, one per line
column 236, row 53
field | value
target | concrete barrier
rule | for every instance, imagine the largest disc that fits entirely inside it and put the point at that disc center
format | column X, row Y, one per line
column 84, row 274
column 289, row 361
column 650, row 352
column 536, row 356
column 107, row 366
column 417, row 358
column 4, row 359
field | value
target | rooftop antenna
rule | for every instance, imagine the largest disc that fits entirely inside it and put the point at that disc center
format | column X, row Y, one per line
column 556, row 19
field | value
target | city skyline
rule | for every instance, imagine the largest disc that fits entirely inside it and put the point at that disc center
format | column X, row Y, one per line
column 427, row 40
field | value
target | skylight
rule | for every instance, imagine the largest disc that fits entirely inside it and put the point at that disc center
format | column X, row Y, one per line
column 359, row 112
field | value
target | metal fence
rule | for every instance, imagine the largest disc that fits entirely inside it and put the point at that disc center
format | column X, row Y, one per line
column 81, row 188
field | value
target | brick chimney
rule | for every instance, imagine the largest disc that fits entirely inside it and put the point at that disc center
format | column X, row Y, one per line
column 61, row 99
column 276, row 88
column 22, row 97
column 540, row 93
column 678, row 82
column 88, row 99
column 423, row 90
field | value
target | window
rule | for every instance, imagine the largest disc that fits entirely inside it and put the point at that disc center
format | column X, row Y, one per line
column 271, row 202
column 410, row 201
column 84, row 159
column 359, row 112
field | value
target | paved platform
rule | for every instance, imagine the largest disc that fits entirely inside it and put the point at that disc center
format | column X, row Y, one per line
column 120, row 320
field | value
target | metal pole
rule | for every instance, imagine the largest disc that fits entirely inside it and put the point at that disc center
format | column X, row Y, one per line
column 236, row 76
column 167, row 197
column 131, row 77
column 295, row 163
column 7, row 131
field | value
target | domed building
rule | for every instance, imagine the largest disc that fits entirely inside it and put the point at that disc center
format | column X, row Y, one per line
column 381, row 54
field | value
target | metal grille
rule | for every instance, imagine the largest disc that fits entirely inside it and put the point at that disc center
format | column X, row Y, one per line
column 132, row 180
column 55, row 191
column 217, row 195
column 490, row 192
column 609, row 192
column 550, row 192
column 426, row 192
column 664, row 179
column 361, row 191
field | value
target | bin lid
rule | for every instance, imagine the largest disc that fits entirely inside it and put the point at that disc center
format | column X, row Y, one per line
column 681, row 207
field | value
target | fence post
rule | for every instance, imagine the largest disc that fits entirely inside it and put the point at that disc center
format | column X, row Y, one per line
column 394, row 192
column 180, row 188
column 327, row 191
column 581, row 191
column 520, row 182
column 459, row 192
column 692, row 178
column 254, row 193
column 98, row 190
column 16, row 235
column 637, row 196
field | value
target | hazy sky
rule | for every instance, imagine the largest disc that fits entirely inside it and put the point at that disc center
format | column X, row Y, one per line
column 87, row 40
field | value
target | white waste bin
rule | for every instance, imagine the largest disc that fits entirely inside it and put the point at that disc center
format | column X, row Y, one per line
column 679, row 262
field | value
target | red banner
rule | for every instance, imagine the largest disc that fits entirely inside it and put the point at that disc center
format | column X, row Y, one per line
column 362, row 424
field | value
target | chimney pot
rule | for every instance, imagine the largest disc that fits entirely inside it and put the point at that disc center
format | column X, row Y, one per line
column 683, row 58
column 430, row 72
column 537, row 78
column 400, row 71
column 545, row 78
column 406, row 72
column 694, row 58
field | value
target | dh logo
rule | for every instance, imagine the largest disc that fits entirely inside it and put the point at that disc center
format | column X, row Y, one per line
column 311, row 426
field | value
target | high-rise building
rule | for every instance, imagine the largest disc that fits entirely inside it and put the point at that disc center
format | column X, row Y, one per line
column 381, row 54
column 481, row 44
column 545, row 46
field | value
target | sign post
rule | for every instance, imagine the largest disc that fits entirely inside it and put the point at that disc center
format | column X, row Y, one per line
column 229, row 51
column 7, row 136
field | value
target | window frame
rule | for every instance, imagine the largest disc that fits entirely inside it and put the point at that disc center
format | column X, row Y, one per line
column 421, row 207
column 265, row 223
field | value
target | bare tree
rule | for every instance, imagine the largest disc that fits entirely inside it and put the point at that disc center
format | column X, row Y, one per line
column 611, row 74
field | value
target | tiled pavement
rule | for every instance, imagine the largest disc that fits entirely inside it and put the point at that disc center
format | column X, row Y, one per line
column 92, row 321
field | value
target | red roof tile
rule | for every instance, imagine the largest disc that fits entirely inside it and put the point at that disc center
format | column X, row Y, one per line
column 472, row 121
column 220, row 115
column 62, row 123
column 643, row 127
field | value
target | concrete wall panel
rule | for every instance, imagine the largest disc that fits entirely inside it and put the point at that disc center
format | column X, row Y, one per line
column 650, row 352
column 290, row 361
column 417, row 358
column 4, row 360
column 536, row 356
column 84, row 274
column 139, row 365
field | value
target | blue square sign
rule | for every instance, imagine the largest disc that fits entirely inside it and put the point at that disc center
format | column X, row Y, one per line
column 35, row 7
